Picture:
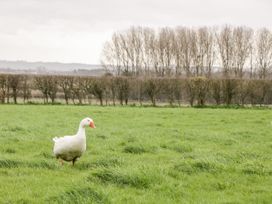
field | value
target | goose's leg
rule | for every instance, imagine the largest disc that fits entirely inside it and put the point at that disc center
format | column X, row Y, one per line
column 74, row 161
column 61, row 161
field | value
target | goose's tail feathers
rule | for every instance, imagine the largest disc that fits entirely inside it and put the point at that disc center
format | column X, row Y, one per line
column 55, row 139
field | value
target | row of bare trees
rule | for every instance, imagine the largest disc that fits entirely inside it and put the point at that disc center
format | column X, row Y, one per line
column 135, row 90
column 13, row 85
column 229, row 51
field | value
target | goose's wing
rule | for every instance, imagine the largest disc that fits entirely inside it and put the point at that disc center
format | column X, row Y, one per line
column 61, row 139
column 62, row 144
column 67, row 148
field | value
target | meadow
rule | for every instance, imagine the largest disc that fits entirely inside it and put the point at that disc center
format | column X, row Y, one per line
column 137, row 155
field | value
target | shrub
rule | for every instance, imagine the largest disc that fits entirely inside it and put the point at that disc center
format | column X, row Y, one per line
column 152, row 88
column 201, row 90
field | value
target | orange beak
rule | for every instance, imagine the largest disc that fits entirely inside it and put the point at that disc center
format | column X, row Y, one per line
column 92, row 124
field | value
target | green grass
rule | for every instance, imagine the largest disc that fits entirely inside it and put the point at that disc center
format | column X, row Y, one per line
column 137, row 155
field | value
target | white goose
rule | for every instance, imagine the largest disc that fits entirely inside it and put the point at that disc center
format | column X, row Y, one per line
column 70, row 148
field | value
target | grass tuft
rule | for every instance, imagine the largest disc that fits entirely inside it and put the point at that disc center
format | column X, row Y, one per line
column 177, row 147
column 103, row 137
column 181, row 148
column 47, row 155
column 104, row 162
column 23, row 201
column 79, row 196
column 221, row 186
column 38, row 164
column 83, row 165
column 108, row 162
column 198, row 166
column 133, row 149
column 9, row 164
column 206, row 166
column 42, row 165
column 16, row 129
column 137, row 180
column 10, row 151
column 256, row 168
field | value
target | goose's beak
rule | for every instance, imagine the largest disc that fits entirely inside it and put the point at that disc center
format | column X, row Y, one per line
column 92, row 125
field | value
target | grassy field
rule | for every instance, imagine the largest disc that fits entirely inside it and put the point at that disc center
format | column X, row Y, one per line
column 137, row 155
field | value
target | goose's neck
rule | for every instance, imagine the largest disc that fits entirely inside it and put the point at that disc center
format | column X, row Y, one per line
column 81, row 132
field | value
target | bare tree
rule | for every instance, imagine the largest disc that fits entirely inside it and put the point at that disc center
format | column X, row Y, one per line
column 216, row 90
column 14, row 83
column 229, row 87
column 113, row 89
column 183, row 54
column 26, row 89
column 264, row 52
column 88, row 84
column 123, row 89
column 8, row 94
column 205, row 55
column 78, row 90
column 135, row 47
column 3, row 87
column 165, row 49
column 112, row 55
column 52, row 83
column 171, row 88
column 41, row 84
column 152, row 89
column 226, row 49
column 242, row 91
column 137, row 86
column 154, row 53
column 48, row 85
column 66, row 83
column 99, row 89
column 201, row 85
column 190, row 90
column 258, row 91
column 242, row 39
column 149, row 55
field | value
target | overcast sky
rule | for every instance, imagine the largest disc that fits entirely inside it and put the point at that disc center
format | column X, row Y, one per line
column 75, row 30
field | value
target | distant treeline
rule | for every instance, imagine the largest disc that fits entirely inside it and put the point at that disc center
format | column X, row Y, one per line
column 228, row 51
column 112, row 90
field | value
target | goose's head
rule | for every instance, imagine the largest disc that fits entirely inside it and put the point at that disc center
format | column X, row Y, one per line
column 87, row 122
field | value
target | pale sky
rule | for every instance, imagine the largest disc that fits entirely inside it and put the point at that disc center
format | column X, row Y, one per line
column 75, row 30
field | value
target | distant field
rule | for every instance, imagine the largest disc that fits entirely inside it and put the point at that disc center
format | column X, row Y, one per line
column 137, row 155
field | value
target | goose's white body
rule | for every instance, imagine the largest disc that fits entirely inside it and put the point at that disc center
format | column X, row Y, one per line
column 69, row 148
